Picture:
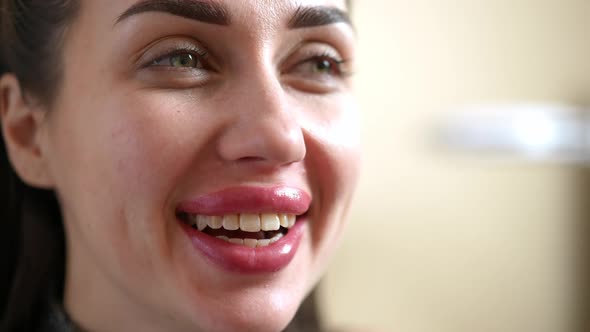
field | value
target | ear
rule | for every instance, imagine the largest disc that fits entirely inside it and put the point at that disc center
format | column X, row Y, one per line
column 23, row 122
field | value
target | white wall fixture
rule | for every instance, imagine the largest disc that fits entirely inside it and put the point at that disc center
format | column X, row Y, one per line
column 556, row 133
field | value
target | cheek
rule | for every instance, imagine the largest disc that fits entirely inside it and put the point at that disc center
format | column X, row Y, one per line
column 117, row 167
column 143, row 152
column 334, row 153
column 333, row 164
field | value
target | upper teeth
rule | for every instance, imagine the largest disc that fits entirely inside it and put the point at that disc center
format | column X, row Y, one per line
column 245, row 222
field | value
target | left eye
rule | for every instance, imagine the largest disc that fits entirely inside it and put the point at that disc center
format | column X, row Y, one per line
column 320, row 65
column 181, row 60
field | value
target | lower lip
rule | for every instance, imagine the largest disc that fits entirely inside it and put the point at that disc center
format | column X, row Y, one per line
column 242, row 259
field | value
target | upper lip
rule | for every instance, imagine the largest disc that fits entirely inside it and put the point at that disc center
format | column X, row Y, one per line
column 248, row 199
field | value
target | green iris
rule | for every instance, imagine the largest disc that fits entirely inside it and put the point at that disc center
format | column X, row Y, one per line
column 323, row 67
column 184, row 61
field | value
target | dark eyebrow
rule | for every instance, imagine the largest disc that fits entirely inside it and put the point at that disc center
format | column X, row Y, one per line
column 307, row 17
column 199, row 10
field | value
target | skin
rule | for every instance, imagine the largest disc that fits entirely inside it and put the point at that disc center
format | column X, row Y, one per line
column 124, row 143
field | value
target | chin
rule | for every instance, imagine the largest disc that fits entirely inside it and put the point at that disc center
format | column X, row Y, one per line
column 263, row 310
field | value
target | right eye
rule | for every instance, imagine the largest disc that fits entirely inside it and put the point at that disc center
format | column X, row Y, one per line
column 180, row 60
column 177, row 64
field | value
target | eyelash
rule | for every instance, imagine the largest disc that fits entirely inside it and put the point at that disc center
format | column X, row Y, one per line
column 337, row 69
column 199, row 53
column 338, row 62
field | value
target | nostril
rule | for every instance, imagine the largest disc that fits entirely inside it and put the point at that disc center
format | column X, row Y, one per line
column 251, row 159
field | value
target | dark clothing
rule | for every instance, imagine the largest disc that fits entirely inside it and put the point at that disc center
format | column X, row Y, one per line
column 56, row 320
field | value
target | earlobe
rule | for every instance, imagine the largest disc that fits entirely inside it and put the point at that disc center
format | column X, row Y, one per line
column 22, row 123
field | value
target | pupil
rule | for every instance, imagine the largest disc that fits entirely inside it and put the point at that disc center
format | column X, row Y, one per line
column 323, row 66
column 185, row 60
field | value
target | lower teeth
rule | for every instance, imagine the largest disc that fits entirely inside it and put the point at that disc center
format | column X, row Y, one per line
column 252, row 243
column 265, row 238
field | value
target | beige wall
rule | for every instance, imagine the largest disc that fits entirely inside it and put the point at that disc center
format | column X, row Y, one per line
column 450, row 243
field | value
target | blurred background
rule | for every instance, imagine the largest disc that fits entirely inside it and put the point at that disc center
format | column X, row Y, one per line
column 472, row 212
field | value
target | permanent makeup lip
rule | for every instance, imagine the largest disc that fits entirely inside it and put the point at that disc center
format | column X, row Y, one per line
column 254, row 201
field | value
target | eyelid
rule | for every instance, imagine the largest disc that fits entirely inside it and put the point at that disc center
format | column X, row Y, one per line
column 310, row 51
column 339, row 63
column 169, row 47
column 297, row 68
column 199, row 53
column 326, row 55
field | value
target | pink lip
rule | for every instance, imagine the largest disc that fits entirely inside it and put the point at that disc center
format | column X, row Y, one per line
column 242, row 259
column 277, row 199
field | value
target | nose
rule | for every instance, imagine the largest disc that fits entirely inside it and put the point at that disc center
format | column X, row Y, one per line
column 263, row 128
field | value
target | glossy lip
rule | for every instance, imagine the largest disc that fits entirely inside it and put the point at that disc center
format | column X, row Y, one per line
column 238, row 258
column 278, row 199
column 242, row 259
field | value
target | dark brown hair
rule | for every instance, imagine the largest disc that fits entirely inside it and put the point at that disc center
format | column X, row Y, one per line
column 32, row 34
column 31, row 237
column 32, row 242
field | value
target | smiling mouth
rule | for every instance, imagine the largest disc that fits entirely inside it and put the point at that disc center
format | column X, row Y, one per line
column 250, row 230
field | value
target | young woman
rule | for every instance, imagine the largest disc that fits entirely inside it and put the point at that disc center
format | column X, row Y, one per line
column 174, row 165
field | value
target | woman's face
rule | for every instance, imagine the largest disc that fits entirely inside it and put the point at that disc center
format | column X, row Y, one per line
column 231, row 114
